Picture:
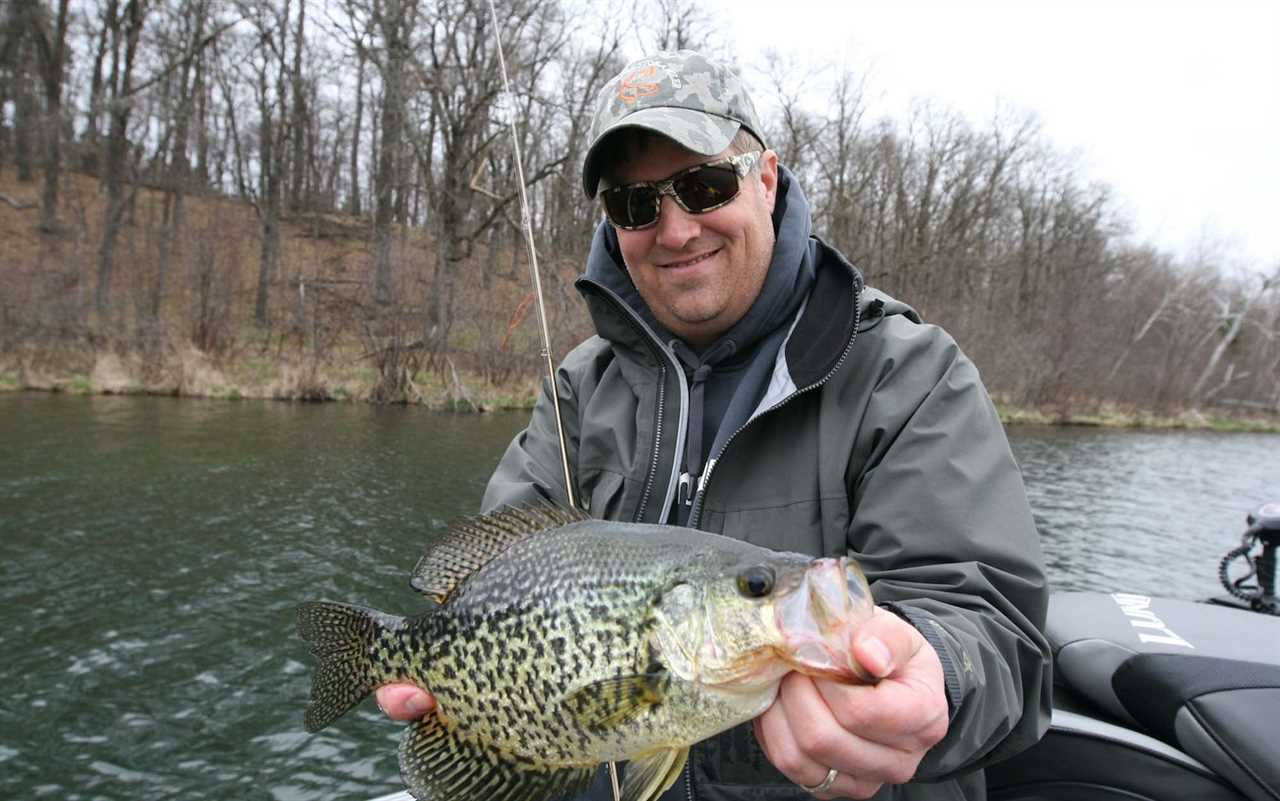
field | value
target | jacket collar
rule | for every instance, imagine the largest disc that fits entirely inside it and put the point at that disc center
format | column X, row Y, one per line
column 837, row 307
column 828, row 322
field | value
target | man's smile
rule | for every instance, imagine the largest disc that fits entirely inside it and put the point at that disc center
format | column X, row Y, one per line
column 690, row 262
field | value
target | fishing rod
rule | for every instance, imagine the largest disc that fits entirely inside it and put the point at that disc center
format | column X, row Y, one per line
column 526, row 221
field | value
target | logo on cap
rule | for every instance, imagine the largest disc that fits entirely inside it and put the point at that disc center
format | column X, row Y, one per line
column 632, row 89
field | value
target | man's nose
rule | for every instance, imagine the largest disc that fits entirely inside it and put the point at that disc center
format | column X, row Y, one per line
column 675, row 225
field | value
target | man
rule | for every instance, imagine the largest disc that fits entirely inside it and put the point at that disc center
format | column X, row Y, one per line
column 745, row 382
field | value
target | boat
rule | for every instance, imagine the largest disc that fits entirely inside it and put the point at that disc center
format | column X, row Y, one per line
column 1158, row 699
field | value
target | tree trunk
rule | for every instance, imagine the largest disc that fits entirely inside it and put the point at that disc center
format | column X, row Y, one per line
column 394, row 30
column 97, row 84
column 270, row 210
column 51, row 48
column 24, row 124
column 117, row 143
column 298, row 117
column 1235, row 321
column 179, row 169
column 353, row 201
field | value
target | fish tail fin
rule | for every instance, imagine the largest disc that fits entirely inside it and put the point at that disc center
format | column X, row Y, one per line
column 345, row 640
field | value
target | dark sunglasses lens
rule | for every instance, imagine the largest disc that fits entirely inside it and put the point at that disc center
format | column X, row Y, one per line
column 707, row 188
column 631, row 206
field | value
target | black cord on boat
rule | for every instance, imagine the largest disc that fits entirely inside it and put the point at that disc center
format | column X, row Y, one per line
column 1251, row 593
column 1264, row 527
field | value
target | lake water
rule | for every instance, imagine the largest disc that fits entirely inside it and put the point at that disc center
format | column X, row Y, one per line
column 152, row 551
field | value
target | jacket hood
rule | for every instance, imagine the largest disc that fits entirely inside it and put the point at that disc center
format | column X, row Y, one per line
column 877, row 305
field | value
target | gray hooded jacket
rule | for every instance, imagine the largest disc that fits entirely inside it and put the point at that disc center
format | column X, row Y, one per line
column 874, row 437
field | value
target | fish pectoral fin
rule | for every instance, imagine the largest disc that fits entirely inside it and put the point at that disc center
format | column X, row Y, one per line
column 651, row 774
column 437, row 764
column 610, row 702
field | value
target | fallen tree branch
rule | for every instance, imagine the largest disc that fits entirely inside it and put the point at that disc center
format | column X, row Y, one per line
column 15, row 203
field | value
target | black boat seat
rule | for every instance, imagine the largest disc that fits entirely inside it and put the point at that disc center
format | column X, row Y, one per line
column 1204, row 679
column 1222, row 711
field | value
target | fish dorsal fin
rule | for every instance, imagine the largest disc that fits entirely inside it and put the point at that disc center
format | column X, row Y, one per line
column 471, row 542
column 610, row 702
column 438, row 764
column 651, row 774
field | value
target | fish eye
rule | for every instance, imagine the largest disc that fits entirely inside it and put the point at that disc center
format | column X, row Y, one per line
column 756, row 581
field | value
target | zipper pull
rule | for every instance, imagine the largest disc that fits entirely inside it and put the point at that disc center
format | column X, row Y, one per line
column 684, row 495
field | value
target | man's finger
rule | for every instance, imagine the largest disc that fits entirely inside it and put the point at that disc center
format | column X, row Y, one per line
column 404, row 701
column 810, row 742
column 885, row 643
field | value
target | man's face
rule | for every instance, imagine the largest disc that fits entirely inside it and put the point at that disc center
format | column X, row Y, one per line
column 699, row 273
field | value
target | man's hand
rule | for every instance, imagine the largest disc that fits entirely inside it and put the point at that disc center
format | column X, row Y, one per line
column 872, row 734
column 404, row 701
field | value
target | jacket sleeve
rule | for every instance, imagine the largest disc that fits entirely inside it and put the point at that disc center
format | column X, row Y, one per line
column 942, row 527
column 532, row 470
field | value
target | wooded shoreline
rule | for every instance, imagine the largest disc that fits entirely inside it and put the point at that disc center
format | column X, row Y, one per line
column 208, row 198
column 329, row 342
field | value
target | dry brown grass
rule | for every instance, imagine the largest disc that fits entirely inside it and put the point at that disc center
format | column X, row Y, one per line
column 324, row 335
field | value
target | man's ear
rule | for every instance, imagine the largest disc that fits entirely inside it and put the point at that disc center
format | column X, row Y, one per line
column 769, row 177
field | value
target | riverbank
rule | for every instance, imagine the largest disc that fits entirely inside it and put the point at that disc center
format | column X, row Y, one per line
column 1110, row 416
column 192, row 374
column 276, row 376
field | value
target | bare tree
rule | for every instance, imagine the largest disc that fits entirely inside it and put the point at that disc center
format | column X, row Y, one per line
column 677, row 25
column 125, row 29
column 192, row 21
column 1230, row 321
column 261, row 60
column 1162, row 310
column 16, row 58
column 47, row 34
column 396, row 21
column 298, row 114
column 353, row 200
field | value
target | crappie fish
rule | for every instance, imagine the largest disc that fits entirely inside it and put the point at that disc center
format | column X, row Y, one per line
column 560, row 642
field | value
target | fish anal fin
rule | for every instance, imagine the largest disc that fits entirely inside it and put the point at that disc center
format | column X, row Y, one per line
column 437, row 764
column 651, row 774
column 472, row 542
column 608, row 703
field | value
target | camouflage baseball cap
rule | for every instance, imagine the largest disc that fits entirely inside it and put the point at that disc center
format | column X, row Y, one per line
column 680, row 94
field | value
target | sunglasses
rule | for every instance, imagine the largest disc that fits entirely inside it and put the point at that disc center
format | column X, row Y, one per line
column 697, row 190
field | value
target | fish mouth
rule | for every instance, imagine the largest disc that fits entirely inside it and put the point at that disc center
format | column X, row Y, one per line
column 818, row 619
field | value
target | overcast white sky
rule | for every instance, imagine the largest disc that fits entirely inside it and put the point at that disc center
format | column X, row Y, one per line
column 1175, row 104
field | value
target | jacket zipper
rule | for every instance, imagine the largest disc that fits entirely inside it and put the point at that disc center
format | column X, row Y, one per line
column 657, row 440
column 695, row 514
